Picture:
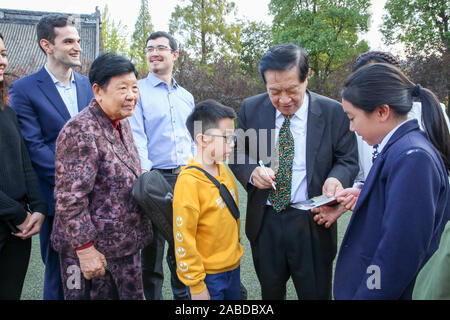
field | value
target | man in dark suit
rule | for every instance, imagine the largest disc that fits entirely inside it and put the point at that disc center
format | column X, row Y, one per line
column 44, row 101
column 317, row 154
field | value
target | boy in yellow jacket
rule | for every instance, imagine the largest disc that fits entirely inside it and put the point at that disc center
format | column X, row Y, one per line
column 206, row 235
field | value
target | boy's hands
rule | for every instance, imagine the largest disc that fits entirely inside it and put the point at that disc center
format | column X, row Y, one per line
column 204, row 295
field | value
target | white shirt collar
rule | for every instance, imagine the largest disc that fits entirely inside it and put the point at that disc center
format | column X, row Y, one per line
column 389, row 135
column 302, row 112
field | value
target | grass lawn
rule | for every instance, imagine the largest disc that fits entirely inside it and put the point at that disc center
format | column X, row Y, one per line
column 33, row 288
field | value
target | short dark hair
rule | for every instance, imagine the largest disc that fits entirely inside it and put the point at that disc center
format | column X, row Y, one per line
column 45, row 28
column 376, row 57
column 159, row 34
column 209, row 113
column 109, row 65
column 285, row 57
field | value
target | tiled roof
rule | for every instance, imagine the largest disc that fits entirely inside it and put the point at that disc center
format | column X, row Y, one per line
column 24, row 55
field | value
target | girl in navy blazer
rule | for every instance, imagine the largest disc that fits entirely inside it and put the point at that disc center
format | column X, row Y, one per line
column 403, row 206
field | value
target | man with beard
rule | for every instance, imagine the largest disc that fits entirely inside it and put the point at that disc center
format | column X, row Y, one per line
column 163, row 143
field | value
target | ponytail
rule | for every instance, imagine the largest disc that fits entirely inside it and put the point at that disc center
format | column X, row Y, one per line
column 377, row 84
column 433, row 122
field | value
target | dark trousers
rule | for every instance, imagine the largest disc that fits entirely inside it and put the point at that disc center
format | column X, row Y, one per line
column 14, row 259
column 291, row 244
column 152, row 269
column 52, row 278
column 224, row 285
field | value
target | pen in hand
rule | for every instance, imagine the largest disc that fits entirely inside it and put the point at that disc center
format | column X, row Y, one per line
column 261, row 164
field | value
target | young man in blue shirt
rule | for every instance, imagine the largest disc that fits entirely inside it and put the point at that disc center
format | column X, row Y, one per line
column 163, row 143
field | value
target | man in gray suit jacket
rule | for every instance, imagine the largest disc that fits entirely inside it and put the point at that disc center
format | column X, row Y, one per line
column 318, row 155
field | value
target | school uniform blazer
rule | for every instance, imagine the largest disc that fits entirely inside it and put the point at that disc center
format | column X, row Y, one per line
column 42, row 113
column 397, row 221
column 95, row 173
column 331, row 151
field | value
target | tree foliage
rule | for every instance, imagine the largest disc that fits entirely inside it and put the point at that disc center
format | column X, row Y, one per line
column 256, row 38
column 421, row 25
column 220, row 80
column 428, row 71
column 203, row 24
column 114, row 35
column 326, row 29
column 142, row 30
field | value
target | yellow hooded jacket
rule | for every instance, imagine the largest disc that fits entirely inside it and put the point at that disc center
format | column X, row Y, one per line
column 207, row 237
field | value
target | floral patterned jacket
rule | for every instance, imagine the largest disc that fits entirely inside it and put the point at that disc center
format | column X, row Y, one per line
column 95, row 173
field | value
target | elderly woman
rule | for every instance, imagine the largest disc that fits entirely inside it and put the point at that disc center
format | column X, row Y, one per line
column 97, row 222
column 20, row 195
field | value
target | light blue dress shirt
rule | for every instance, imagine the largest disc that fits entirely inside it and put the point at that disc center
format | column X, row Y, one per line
column 68, row 93
column 159, row 124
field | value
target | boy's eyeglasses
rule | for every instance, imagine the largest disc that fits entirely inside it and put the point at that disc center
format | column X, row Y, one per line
column 157, row 49
column 228, row 139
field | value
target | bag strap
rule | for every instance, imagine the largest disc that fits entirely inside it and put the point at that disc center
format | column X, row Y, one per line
column 224, row 193
column 88, row 287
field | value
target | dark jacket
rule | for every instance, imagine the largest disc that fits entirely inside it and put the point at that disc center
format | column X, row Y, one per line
column 397, row 221
column 331, row 151
column 42, row 113
column 19, row 187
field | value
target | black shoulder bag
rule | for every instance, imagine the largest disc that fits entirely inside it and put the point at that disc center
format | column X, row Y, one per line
column 224, row 193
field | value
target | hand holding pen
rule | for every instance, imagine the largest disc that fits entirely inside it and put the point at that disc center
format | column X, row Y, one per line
column 261, row 164
column 263, row 178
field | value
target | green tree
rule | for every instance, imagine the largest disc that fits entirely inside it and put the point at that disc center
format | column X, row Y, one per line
column 326, row 29
column 142, row 30
column 203, row 24
column 256, row 38
column 421, row 25
column 114, row 35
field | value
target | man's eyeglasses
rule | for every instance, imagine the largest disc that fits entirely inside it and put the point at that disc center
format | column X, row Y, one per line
column 228, row 139
column 157, row 49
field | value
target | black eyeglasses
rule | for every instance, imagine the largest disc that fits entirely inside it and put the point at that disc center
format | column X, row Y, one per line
column 158, row 49
column 228, row 139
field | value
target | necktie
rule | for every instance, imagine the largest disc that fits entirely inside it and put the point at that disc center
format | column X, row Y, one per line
column 375, row 152
column 280, row 198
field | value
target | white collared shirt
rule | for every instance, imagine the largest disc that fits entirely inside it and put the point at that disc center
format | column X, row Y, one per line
column 365, row 151
column 299, row 120
column 298, row 127
column 68, row 93
column 360, row 179
column 389, row 135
